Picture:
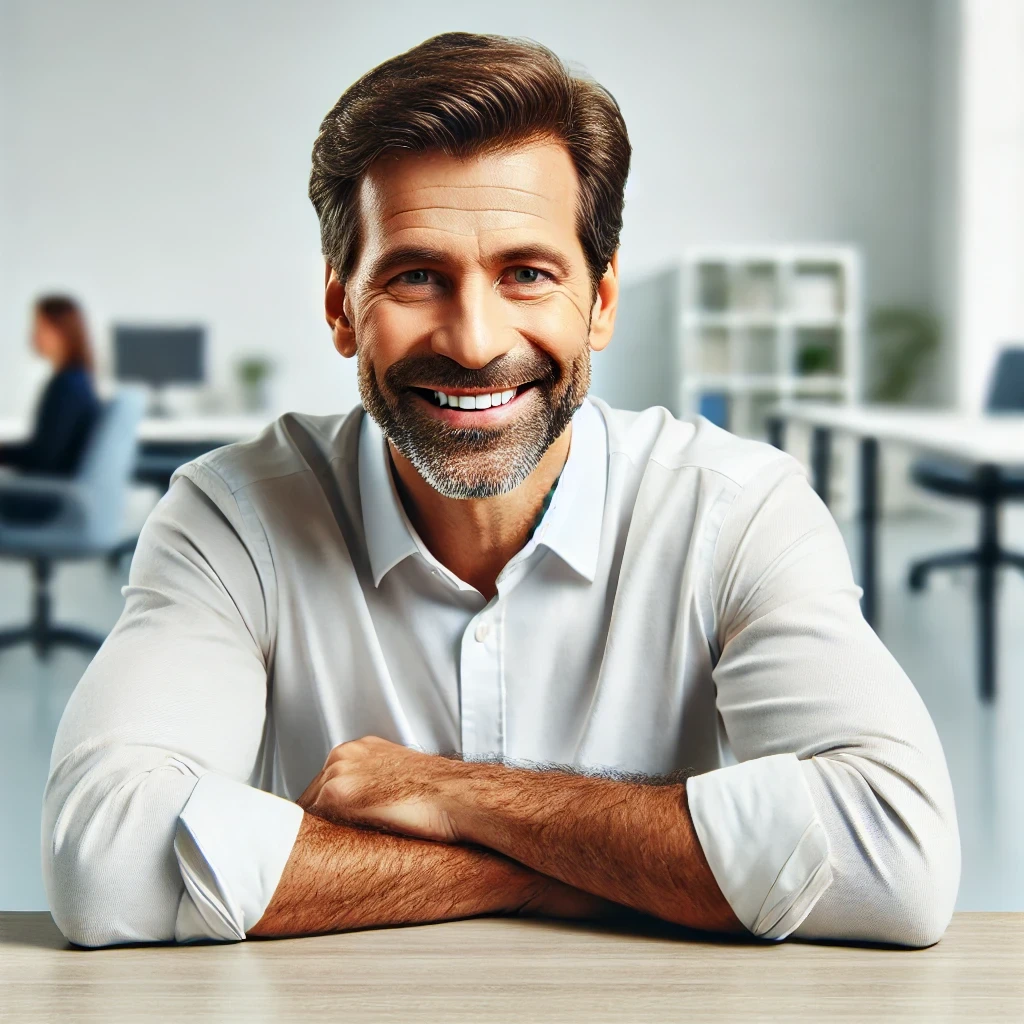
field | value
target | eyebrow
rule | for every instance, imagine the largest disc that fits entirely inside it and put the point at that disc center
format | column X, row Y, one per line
column 412, row 256
column 536, row 253
column 403, row 256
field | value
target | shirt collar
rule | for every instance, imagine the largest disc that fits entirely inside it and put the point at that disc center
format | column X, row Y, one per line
column 389, row 536
column 571, row 527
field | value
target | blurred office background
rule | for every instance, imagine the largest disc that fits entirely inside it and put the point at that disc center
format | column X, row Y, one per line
column 826, row 206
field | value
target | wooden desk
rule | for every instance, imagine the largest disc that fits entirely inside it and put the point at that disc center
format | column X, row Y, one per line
column 499, row 970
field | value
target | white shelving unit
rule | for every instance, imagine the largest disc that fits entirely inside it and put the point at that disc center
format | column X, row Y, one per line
column 731, row 331
column 764, row 324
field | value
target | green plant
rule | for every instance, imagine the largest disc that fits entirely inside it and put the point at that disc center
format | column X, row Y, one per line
column 816, row 359
column 903, row 339
column 252, row 369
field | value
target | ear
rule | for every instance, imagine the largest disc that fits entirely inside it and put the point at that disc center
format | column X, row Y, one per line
column 336, row 313
column 602, row 319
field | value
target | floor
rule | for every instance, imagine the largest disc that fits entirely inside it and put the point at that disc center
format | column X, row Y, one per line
column 932, row 635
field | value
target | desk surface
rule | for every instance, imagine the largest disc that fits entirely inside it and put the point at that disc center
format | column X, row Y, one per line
column 996, row 439
column 494, row 969
column 185, row 429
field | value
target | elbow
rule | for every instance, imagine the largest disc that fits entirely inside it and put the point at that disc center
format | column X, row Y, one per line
column 82, row 921
column 91, row 898
column 919, row 924
column 78, row 904
column 108, row 860
column 920, row 906
column 895, row 846
column 921, row 917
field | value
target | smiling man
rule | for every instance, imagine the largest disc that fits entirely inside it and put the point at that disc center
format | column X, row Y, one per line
column 485, row 645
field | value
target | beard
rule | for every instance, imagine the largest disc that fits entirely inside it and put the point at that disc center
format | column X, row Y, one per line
column 471, row 462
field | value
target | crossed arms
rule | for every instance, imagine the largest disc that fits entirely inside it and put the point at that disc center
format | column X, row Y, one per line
column 478, row 838
column 836, row 822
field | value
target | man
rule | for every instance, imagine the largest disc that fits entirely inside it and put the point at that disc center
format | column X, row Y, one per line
column 491, row 647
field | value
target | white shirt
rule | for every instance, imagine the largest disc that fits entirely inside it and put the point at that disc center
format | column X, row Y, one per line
column 686, row 602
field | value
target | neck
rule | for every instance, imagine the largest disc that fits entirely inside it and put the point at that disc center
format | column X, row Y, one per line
column 476, row 537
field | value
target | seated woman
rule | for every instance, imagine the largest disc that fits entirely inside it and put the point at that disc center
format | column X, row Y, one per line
column 66, row 411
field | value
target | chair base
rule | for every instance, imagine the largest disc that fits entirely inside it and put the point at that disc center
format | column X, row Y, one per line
column 126, row 547
column 986, row 558
column 53, row 636
column 42, row 632
column 917, row 577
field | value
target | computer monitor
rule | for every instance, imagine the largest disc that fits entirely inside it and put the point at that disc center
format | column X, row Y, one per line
column 159, row 355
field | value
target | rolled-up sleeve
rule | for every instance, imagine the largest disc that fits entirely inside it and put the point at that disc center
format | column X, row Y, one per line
column 152, row 829
column 838, row 820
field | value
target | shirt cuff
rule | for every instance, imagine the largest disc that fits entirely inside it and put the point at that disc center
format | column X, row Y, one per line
column 763, row 839
column 232, row 844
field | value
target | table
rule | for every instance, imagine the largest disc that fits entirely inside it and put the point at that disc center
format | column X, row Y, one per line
column 166, row 429
column 509, row 969
column 986, row 442
column 165, row 443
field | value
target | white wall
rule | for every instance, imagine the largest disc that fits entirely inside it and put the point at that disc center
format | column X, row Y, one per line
column 991, row 196
column 6, row 84
column 159, row 152
column 945, row 255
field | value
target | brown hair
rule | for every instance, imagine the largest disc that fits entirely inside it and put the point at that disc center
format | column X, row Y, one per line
column 464, row 94
column 66, row 315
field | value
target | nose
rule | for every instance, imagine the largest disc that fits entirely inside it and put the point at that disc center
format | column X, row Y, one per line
column 474, row 329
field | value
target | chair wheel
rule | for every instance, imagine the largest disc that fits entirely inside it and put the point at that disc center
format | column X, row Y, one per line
column 917, row 580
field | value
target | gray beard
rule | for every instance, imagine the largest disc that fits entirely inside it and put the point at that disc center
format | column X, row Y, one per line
column 475, row 463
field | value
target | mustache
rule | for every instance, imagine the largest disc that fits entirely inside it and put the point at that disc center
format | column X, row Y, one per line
column 442, row 372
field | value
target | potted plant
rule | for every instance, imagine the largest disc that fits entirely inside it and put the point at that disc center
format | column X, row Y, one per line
column 904, row 338
column 253, row 373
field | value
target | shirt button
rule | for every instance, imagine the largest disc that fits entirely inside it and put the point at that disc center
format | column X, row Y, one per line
column 480, row 634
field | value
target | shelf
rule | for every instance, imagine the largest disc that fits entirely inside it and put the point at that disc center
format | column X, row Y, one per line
column 732, row 382
column 712, row 318
column 822, row 384
column 758, row 325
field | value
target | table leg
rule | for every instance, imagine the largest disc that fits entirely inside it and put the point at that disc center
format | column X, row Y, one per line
column 821, row 460
column 869, row 528
column 988, row 562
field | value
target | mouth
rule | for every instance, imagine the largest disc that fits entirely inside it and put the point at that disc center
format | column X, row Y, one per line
column 473, row 402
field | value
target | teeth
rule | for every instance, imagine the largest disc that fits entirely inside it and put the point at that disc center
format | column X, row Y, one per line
column 474, row 401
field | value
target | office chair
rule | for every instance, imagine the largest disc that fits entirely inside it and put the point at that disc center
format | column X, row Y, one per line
column 87, row 523
column 989, row 485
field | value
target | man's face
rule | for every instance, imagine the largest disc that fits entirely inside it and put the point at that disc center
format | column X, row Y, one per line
column 470, row 309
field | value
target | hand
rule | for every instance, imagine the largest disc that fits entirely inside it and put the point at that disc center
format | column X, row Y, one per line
column 379, row 784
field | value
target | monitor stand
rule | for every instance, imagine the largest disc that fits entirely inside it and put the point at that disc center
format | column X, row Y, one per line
column 157, row 406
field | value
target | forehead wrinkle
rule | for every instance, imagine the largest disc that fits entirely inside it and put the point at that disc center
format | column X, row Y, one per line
column 463, row 209
column 507, row 188
column 474, row 232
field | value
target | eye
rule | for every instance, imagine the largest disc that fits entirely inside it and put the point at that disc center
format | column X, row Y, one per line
column 414, row 277
column 529, row 275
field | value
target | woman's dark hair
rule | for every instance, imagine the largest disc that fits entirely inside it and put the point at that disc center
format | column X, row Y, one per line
column 62, row 312
column 464, row 94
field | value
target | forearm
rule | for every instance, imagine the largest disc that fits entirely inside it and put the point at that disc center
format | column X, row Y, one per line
column 631, row 844
column 339, row 877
